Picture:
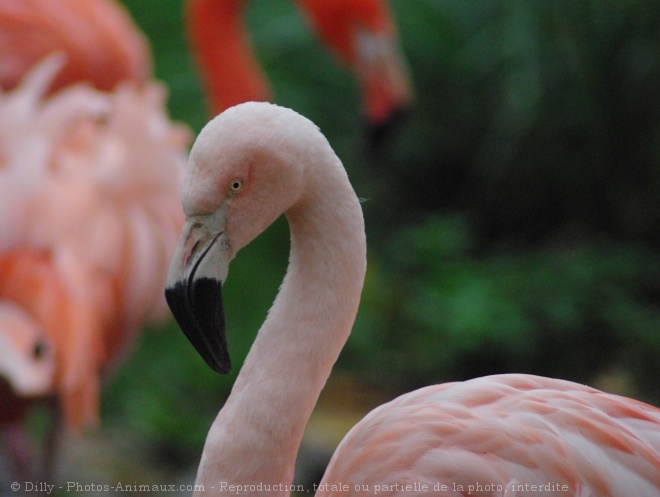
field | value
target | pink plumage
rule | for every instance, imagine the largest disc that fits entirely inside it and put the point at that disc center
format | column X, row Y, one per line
column 88, row 184
column 508, row 431
column 102, row 44
column 90, row 174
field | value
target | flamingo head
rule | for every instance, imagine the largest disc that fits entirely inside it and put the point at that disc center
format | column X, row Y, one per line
column 26, row 357
column 363, row 35
column 244, row 171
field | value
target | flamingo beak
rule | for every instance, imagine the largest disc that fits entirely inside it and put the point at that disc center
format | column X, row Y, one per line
column 194, row 287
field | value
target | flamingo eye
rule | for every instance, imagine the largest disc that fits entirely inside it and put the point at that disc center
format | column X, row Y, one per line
column 235, row 186
column 40, row 349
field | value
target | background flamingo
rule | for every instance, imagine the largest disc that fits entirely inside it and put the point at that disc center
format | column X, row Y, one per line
column 27, row 368
column 361, row 33
column 88, row 181
column 504, row 432
column 93, row 149
column 101, row 42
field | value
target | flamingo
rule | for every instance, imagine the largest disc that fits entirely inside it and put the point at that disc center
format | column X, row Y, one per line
column 88, row 221
column 504, row 435
column 118, row 162
column 361, row 33
column 89, row 168
column 102, row 44
column 27, row 363
column 26, row 353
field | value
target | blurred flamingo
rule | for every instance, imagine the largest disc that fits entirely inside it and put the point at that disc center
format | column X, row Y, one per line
column 494, row 436
column 361, row 33
column 101, row 43
column 89, row 182
column 26, row 354
column 53, row 335
column 27, row 368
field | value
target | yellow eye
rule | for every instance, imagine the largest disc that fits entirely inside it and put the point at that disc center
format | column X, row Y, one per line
column 235, row 186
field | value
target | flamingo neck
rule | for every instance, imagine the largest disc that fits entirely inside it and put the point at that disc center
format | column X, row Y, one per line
column 228, row 69
column 257, row 434
column 338, row 22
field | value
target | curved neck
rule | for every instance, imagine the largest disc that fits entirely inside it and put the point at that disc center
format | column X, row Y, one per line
column 257, row 434
column 228, row 69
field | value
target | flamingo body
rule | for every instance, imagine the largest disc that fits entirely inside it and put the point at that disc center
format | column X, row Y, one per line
column 505, row 433
column 87, row 221
column 89, row 168
column 101, row 43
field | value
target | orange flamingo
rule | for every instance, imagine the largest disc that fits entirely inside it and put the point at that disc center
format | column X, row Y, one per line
column 497, row 436
column 117, row 161
column 88, row 187
column 360, row 32
column 49, row 292
column 27, row 368
column 87, row 183
column 26, row 352
column 101, row 43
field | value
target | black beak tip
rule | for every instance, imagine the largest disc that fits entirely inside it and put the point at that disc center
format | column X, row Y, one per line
column 197, row 308
column 220, row 367
column 379, row 134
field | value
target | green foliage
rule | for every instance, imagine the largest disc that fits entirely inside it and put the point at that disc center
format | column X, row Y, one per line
column 532, row 115
column 438, row 311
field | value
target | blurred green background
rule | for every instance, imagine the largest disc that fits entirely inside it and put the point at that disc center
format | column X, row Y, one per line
column 513, row 218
